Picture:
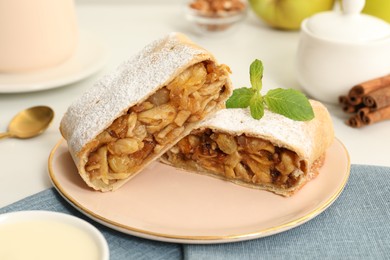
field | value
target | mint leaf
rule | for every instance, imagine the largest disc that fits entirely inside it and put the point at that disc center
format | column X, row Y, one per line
column 256, row 74
column 257, row 106
column 287, row 102
column 240, row 98
column 290, row 103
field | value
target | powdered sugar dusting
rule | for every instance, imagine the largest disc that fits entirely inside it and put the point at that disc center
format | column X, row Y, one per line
column 131, row 83
column 273, row 126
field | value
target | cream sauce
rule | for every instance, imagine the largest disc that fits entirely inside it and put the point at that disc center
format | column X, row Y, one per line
column 38, row 239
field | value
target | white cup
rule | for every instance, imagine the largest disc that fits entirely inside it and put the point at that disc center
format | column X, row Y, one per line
column 36, row 34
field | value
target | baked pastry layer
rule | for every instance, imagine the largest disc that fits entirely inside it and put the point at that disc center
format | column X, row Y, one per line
column 132, row 116
column 274, row 154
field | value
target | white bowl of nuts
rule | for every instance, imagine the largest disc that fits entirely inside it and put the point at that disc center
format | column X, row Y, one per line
column 215, row 16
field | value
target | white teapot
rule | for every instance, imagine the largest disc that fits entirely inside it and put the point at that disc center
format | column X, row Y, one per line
column 338, row 50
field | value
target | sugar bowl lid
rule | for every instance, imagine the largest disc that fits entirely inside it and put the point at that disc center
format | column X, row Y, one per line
column 349, row 25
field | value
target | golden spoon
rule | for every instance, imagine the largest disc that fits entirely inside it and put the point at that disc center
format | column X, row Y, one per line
column 29, row 123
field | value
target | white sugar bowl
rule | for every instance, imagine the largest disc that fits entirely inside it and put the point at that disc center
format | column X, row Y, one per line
column 338, row 50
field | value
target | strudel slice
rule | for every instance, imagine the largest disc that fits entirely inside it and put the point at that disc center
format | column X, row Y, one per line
column 275, row 153
column 132, row 116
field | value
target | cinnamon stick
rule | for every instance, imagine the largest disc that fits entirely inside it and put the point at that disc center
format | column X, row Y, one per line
column 369, row 102
column 347, row 106
column 353, row 108
column 377, row 116
column 378, row 98
column 354, row 99
column 358, row 91
column 354, row 121
column 363, row 112
column 343, row 100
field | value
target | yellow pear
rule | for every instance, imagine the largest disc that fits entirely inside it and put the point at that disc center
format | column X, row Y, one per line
column 378, row 8
column 288, row 14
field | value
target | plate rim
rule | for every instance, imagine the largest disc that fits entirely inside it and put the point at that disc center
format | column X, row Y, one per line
column 191, row 239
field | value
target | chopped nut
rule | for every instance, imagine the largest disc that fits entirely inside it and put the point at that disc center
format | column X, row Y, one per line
column 263, row 157
column 217, row 7
column 158, row 148
column 160, row 97
column 254, row 145
column 103, row 170
column 118, row 128
column 142, row 107
column 229, row 172
column 158, row 117
column 226, row 143
column 233, row 159
column 131, row 123
column 193, row 140
column 105, row 137
column 241, row 172
column 175, row 133
column 262, row 172
column 120, row 164
column 161, row 137
column 140, row 132
column 286, row 166
column 181, row 117
column 124, row 146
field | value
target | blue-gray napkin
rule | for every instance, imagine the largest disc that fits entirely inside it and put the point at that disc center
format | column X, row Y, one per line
column 356, row 226
column 121, row 246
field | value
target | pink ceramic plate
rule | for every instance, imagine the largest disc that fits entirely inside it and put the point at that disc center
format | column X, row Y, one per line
column 162, row 203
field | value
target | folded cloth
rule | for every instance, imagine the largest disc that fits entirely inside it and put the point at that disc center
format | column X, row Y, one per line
column 121, row 246
column 355, row 226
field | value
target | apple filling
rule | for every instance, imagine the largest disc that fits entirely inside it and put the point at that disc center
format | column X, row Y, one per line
column 148, row 127
column 238, row 158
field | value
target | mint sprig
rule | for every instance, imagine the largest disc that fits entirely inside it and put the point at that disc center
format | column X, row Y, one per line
column 288, row 102
column 240, row 98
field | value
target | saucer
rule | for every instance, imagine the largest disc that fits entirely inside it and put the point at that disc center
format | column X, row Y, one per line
column 89, row 57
